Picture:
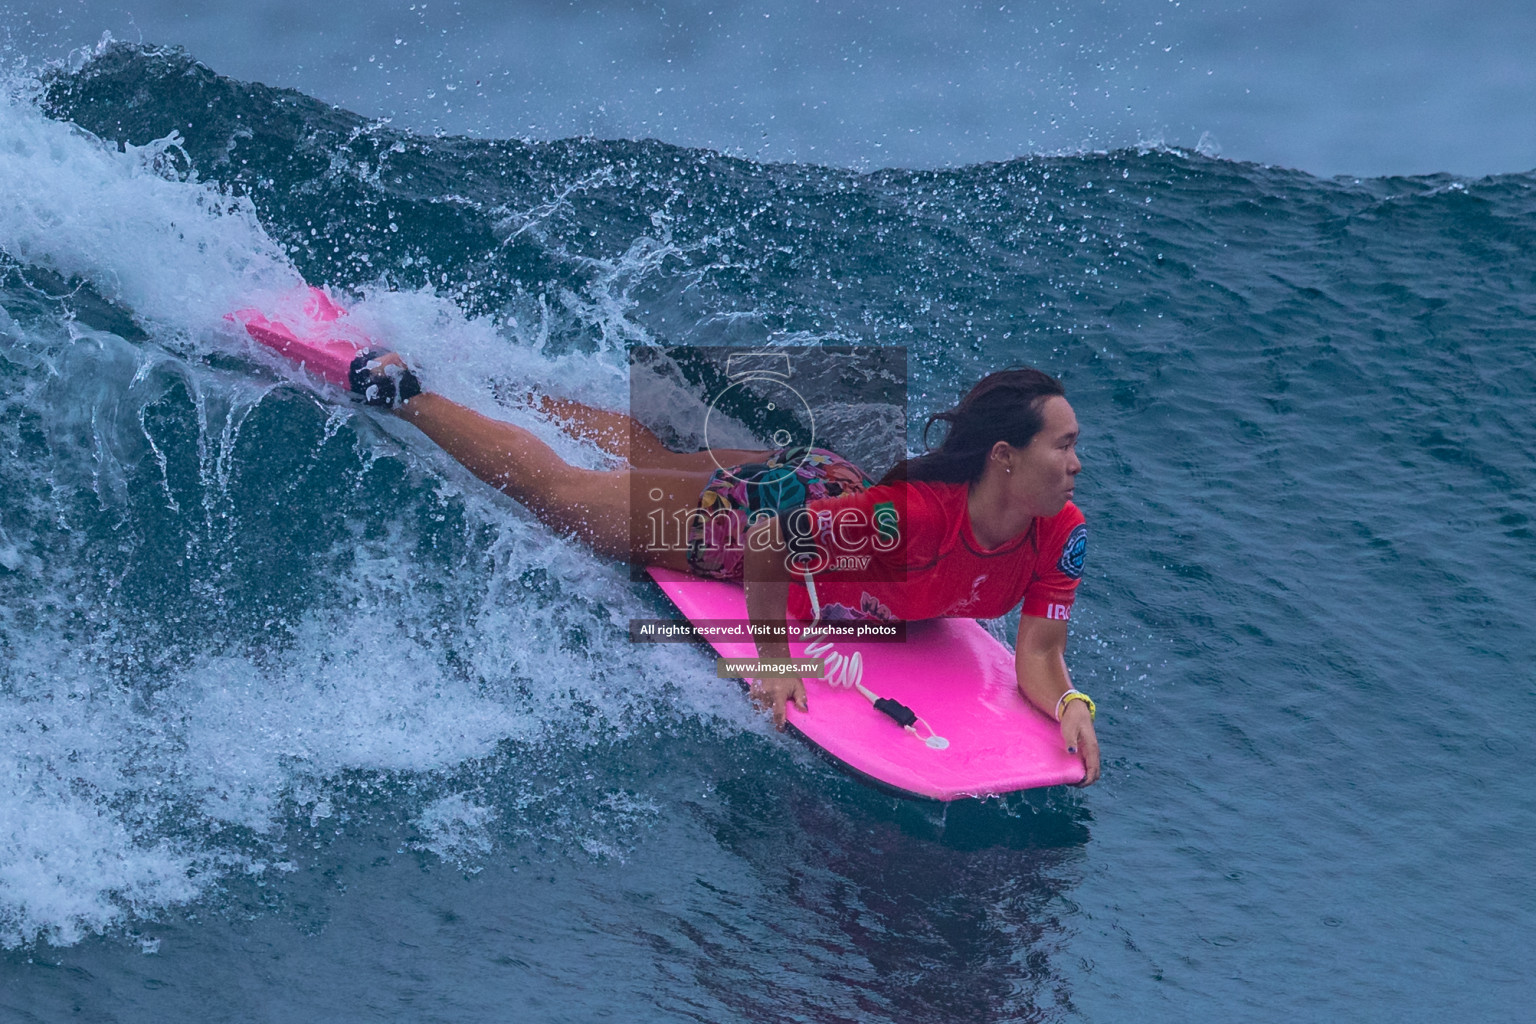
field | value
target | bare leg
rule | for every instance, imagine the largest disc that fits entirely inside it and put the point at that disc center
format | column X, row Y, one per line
column 613, row 432
column 623, row 435
column 611, row 510
column 637, row 513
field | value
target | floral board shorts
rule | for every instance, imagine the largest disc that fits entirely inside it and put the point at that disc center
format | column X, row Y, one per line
column 742, row 496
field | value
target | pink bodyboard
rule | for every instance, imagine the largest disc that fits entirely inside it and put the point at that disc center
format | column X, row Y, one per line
column 951, row 672
column 309, row 332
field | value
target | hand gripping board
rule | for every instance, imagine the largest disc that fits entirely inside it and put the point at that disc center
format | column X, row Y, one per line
column 951, row 672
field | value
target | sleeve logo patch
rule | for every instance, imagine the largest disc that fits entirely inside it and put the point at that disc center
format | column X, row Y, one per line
column 1073, row 552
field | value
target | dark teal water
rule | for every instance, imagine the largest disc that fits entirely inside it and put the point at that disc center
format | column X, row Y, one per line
column 1364, row 87
column 303, row 723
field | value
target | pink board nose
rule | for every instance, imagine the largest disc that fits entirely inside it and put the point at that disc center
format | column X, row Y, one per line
column 951, row 672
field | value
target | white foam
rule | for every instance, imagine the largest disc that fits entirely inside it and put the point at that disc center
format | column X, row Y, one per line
column 71, row 861
column 455, row 828
column 122, row 798
column 179, row 255
column 92, row 771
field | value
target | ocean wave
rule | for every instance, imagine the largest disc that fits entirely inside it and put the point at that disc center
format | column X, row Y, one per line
column 234, row 605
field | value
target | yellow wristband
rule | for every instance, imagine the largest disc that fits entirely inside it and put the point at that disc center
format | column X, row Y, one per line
column 1069, row 697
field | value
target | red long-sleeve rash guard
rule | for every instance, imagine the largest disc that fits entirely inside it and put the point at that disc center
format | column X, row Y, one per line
column 902, row 552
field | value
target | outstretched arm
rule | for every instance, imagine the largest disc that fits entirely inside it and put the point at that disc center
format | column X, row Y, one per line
column 1041, row 665
column 767, row 577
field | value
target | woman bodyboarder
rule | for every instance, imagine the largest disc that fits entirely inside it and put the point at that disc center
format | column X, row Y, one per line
column 971, row 529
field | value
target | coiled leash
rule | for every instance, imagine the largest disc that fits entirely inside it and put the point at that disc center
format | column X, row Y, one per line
column 848, row 671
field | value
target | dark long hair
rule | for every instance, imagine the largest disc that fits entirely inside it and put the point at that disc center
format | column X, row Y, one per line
column 1003, row 406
